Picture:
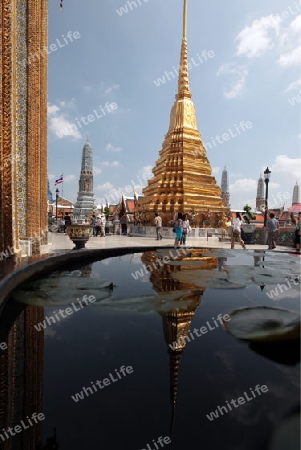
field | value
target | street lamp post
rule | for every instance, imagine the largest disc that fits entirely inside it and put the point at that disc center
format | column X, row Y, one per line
column 56, row 200
column 267, row 174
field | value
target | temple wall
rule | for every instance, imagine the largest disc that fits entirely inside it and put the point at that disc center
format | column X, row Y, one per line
column 23, row 123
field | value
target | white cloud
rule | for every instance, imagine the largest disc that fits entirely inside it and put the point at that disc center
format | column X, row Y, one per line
column 293, row 86
column 215, row 170
column 68, row 104
column 287, row 165
column 96, row 170
column 111, row 148
column 292, row 57
column 105, row 187
column 235, row 175
column 256, row 39
column 251, row 202
column 52, row 109
column 266, row 33
column 146, row 171
column 62, row 127
column 59, row 122
column 111, row 88
column 69, row 178
column 244, row 185
column 110, row 163
column 239, row 75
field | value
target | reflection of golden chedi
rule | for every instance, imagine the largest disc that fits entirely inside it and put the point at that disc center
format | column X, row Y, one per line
column 163, row 266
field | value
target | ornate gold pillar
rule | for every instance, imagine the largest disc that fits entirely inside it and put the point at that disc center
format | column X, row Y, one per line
column 23, row 122
column 6, row 123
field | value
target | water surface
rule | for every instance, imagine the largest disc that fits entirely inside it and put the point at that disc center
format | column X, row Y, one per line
column 167, row 392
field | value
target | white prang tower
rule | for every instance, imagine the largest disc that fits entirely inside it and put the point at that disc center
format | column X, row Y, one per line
column 225, row 187
column 260, row 200
column 296, row 195
column 85, row 198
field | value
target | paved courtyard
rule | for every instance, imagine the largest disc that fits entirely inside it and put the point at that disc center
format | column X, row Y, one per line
column 60, row 243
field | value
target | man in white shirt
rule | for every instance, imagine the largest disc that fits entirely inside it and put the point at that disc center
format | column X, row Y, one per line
column 236, row 231
column 158, row 224
column 103, row 225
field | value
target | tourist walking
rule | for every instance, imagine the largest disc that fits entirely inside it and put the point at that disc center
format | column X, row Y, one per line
column 103, row 225
column 236, row 231
column 272, row 228
column 297, row 222
column 67, row 220
column 186, row 229
column 98, row 225
column 158, row 225
column 123, row 221
column 178, row 229
column 93, row 223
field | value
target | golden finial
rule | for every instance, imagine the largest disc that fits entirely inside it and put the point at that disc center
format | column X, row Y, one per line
column 185, row 20
column 183, row 82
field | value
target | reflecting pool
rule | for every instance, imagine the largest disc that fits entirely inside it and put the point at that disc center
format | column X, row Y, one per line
column 128, row 351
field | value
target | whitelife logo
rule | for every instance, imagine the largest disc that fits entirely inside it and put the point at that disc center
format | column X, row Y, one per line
column 124, row 9
column 203, row 330
column 102, row 384
column 162, row 441
column 68, row 311
column 18, row 428
column 167, row 76
column 283, row 287
column 241, row 401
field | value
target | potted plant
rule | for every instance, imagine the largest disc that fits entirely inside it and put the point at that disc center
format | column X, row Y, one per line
column 248, row 228
column 79, row 233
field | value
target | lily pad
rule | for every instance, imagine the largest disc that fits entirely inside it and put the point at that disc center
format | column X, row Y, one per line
column 264, row 324
column 59, row 291
column 158, row 302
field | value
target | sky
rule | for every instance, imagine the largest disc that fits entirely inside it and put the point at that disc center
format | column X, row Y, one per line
column 111, row 78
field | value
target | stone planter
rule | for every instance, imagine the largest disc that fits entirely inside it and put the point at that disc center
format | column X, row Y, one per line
column 248, row 231
column 248, row 227
column 79, row 234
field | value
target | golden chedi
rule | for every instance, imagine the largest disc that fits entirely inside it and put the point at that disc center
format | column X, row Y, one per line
column 183, row 178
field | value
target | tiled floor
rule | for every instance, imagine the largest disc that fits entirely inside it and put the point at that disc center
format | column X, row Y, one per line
column 61, row 243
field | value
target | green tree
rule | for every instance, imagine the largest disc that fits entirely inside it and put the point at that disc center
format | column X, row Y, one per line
column 107, row 212
column 249, row 215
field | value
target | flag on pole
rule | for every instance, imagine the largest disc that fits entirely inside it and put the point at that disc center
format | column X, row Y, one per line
column 59, row 180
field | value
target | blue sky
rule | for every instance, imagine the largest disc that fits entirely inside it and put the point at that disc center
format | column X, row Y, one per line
column 114, row 58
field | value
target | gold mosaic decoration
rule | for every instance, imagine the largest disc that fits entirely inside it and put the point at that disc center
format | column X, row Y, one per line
column 23, row 122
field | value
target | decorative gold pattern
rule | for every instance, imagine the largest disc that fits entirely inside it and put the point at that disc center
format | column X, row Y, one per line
column 183, row 178
column 23, row 122
column 21, row 116
column 21, row 378
column 6, row 119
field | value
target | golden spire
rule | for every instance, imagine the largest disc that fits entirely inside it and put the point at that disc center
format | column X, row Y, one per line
column 183, row 84
column 185, row 20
